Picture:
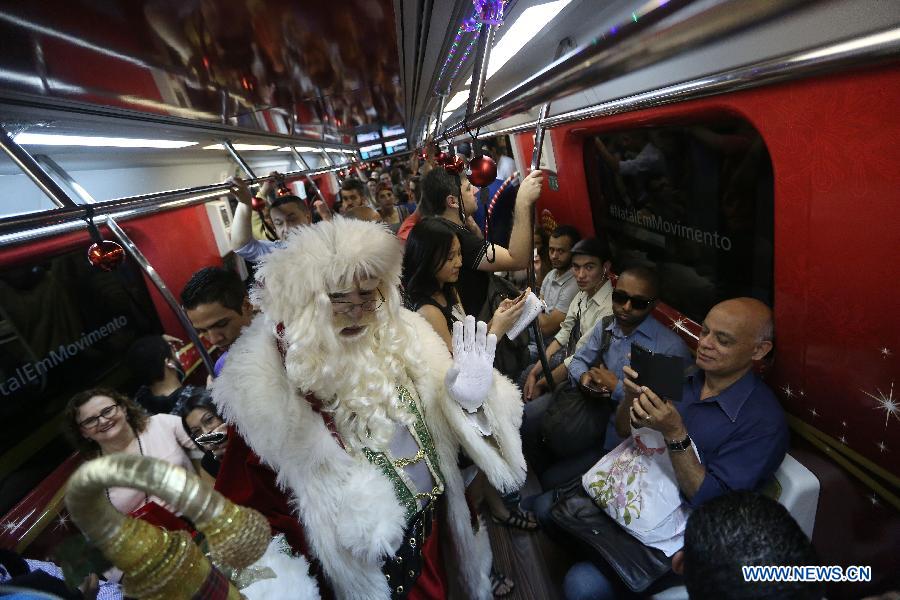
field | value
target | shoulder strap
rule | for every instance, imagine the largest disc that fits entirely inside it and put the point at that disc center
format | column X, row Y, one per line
column 606, row 337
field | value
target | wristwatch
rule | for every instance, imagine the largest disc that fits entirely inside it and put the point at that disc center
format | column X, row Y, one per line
column 679, row 445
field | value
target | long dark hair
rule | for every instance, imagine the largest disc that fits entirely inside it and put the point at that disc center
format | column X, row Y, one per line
column 427, row 249
column 198, row 399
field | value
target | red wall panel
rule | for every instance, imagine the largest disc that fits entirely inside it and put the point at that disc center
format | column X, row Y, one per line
column 833, row 144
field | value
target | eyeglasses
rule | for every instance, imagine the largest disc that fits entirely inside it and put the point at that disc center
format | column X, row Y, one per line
column 106, row 413
column 637, row 302
column 341, row 307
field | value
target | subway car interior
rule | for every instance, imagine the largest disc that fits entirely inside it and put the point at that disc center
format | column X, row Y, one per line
column 709, row 186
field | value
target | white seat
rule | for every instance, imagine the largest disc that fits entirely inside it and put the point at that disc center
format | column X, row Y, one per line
column 797, row 491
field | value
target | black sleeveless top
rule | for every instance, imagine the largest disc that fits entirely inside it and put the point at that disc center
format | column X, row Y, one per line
column 447, row 311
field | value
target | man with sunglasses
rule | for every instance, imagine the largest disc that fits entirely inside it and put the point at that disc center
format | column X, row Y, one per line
column 600, row 362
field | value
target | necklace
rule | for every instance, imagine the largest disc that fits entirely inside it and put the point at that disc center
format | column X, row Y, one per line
column 141, row 449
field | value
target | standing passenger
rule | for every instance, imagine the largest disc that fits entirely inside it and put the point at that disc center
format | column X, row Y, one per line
column 217, row 304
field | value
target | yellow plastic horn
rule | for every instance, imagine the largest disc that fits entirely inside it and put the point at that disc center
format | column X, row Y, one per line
column 160, row 564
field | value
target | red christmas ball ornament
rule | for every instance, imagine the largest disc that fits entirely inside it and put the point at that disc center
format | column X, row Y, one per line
column 258, row 203
column 482, row 171
column 441, row 158
column 106, row 255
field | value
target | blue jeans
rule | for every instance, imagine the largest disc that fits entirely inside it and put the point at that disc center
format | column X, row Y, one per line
column 584, row 581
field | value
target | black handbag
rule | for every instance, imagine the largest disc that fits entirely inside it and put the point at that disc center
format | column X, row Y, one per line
column 574, row 422
column 637, row 565
column 576, row 419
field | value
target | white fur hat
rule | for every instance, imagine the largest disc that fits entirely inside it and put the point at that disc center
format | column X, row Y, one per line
column 324, row 258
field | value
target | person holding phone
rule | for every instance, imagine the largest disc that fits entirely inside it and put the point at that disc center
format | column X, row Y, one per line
column 727, row 413
column 432, row 263
column 599, row 366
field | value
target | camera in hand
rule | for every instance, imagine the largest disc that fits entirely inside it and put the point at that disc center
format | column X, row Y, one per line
column 661, row 373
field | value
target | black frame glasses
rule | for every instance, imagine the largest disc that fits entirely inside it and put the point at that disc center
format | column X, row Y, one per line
column 637, row 302
column 107, row 413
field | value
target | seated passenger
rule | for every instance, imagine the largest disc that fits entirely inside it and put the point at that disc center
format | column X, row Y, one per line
column 559, row 286
column 743, row 529
column 431, row 265
column 217, row 304
column 590, row 264
column 286, row 212
column 599, row 364
column 200, row 418
column 446, row 195
column 155, row 367
column 727, row 413
column 102, row 421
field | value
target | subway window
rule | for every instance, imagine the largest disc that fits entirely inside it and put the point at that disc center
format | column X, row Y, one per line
column 693, row 201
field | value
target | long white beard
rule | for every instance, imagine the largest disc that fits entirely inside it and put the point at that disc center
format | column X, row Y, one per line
column 357, row 380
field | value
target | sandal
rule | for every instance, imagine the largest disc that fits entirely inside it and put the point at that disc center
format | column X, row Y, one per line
column 519, row 519
column 501, row 585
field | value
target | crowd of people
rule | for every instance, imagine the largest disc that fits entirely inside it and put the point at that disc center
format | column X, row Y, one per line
column 376, row 385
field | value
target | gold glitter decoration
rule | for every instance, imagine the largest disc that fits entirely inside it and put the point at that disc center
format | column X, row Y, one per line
column 160, row 564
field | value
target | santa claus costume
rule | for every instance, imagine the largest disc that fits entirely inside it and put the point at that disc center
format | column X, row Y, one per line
column 359, row 409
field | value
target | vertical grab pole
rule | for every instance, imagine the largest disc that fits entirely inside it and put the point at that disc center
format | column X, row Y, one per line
column 138, row 256
column 532, row 276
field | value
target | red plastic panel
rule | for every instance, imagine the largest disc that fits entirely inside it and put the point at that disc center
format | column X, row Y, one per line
column 833, row 144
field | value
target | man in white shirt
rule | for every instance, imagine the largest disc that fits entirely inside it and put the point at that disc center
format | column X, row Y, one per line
column 590, row 265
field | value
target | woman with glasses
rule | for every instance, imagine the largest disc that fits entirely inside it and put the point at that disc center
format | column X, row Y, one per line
column 209, row 431
column 102, row 421
column 431, row 265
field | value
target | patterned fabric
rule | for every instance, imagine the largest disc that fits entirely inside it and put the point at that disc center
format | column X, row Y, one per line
column 106, row 591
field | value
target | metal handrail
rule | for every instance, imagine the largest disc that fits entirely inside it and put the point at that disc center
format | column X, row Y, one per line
column 628, row 47
column 78, row 108
column 871, row 48
column 28, row 227
column 18, row 229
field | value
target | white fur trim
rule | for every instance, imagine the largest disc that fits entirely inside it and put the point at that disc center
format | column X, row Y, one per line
column 292, row 575
column 350, row 514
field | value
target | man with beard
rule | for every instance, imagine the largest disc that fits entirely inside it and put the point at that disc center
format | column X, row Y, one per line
column 559, row 286
column 358, row 407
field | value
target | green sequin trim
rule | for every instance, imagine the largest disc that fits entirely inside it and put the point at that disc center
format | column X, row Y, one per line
column 402, row 487
column 404, row 495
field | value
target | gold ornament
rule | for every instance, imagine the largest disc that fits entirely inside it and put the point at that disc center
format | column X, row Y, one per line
column 160, row 564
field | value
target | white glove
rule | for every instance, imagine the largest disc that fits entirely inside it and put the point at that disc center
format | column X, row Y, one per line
column 472, row 373
column 533, row 307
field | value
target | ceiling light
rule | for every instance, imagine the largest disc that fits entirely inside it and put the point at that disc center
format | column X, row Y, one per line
column 52, row 139
column 529, row 23
column 250, row 147
column 307, row 149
